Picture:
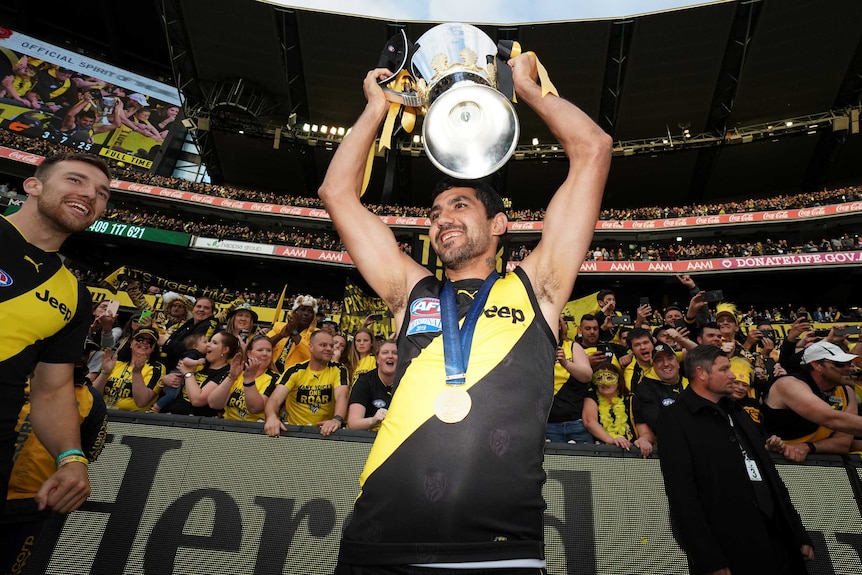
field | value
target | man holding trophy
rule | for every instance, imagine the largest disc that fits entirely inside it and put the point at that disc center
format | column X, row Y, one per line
column 454, row 478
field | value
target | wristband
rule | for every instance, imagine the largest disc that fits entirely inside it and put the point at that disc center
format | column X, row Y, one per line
column 811, row 447
column 67, row 453
column 339, row 419
column 73, row 459
column 249, row 384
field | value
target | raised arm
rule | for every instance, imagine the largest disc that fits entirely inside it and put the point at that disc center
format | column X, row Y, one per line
column 371, row 244
column 570, row 219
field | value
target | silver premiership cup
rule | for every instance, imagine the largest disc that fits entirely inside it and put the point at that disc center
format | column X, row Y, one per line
column 470, row 128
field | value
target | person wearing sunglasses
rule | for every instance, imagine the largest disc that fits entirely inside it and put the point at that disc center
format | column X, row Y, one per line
column 129, row 378
column 815, row 408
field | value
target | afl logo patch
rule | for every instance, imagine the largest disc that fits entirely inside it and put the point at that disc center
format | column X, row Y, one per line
column 668, row 401
column 5, row 279
column 424, row 316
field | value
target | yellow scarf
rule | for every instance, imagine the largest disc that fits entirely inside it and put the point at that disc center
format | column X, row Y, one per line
column 613, row 416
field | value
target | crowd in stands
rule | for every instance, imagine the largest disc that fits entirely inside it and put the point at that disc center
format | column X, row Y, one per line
column 620, row 374
column 214, row 226
column 211, row 225
column 782, row 202
column 615, row 378
column 259, row 297
column 674, row 251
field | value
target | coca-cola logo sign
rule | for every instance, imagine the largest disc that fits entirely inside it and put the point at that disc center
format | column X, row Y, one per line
column 707, row 220
column 812, row 212
column 741, row 218
column 26, row 158
column 844, row 208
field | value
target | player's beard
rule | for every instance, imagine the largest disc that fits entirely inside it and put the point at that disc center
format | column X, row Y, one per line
column 53, row 210
column 473, row 245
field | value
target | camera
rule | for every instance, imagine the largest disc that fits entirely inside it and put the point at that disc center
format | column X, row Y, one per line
column 847, row 330
column 605, row 349
column 714, row 295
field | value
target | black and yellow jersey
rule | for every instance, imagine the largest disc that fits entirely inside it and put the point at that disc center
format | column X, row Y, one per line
column 45, row 310
column 311, row 394
column 236, row 408
column 33, row 464
column 434, row 492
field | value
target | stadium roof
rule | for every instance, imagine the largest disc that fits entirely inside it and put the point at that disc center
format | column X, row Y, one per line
column 724, row 71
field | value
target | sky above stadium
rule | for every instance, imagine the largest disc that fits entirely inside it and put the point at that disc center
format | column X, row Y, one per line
column 501, row 12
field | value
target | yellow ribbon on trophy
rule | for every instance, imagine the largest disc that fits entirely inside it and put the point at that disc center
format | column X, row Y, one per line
column 544, row 78
column 402, row 83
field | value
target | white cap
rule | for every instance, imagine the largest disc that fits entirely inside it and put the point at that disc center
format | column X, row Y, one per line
column 140, row 99
column 825, row 350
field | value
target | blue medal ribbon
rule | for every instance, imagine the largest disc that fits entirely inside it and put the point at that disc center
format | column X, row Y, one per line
column 457, row 341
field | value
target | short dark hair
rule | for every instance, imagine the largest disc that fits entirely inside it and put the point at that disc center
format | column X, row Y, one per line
column 43, row 171
column 638, row 333
column 485, row 193
column 588, row 317
column 701, row 356
column 604, row 292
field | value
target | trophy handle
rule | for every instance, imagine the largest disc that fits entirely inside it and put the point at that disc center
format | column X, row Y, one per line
column 408, row 99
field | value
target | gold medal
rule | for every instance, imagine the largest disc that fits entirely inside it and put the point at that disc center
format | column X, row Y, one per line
column 452, row 404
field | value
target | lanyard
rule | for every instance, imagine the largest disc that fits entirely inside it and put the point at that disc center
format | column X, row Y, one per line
column 457, row 342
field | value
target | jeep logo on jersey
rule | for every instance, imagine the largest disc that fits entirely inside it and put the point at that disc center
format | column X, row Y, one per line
column 53, row 302
column 514, row 314
column 5, row 279
column 424, row 316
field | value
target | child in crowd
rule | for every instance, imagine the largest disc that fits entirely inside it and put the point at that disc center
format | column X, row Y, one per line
column 196, row 349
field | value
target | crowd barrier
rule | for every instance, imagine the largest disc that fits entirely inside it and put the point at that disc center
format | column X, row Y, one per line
column 205, row 496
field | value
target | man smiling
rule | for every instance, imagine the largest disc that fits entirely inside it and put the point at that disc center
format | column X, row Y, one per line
column 463, row 438
column 46, row 315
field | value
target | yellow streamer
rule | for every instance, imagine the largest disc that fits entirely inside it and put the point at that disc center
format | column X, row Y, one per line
column 386, row 136
column 367, row 176
column 544, row 79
